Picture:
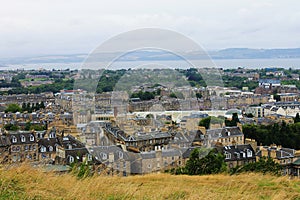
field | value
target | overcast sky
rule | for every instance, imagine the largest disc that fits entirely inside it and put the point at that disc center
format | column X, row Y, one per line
column 40, row 27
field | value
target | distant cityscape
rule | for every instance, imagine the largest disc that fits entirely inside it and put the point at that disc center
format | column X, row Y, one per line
column 151, row 126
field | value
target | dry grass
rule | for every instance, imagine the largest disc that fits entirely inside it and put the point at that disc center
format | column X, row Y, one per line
column 27, row 183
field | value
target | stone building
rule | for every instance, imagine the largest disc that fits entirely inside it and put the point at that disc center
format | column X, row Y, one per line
column 224, row 136
column 238, row 155
column 23, row 146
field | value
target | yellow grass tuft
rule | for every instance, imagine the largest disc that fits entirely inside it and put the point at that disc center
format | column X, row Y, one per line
column 26, row 183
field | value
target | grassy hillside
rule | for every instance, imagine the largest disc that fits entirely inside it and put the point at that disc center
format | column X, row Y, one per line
column 26, row 183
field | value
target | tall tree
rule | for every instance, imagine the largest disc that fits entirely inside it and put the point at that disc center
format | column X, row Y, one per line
column 205, row 122
column 297, row 118
column 13, row 108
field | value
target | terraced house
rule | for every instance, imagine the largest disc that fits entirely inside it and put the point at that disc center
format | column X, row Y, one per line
column 21, row 146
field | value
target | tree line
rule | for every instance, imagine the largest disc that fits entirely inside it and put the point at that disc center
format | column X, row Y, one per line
column 212, row 161
column 287, row 135
column 26, row 107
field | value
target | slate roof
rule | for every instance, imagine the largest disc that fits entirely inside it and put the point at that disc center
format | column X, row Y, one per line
column 187, row 152
column 171, row 153
column 223, row 132
column 281, row 153
column 239, row 152
column 21, row 137
column 77, row 154
column 101, row 153
column 47, row 142
column 187, row 137
column 148, row 155
column 68, row 140
column 120, row 134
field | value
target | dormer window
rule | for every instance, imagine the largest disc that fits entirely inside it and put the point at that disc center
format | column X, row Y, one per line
column 89, row 157
column 14, row 139
column 43, row 149
column 23, row 138
column 243, row 154
column 104, row 156
column 71, row 159
column 31, row 138
column 50, row 148
column 249, row 153
column 227, row 155
column 52, row 135
column 120, row 155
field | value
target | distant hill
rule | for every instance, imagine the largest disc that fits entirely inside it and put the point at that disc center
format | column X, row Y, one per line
column 245, row 53
column 148, row 55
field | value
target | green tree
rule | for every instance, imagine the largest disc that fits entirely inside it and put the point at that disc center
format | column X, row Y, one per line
column 198, row 95
column 23, row 106
column 11, row 127
column 37, row 127
column 27, row 126
column 198, row 164
column 212, row 163
column 276, row 97
column 173, row 95
column 28, row 108
column 205, row 122
column 234, row 120
column 42, row 105
column 13, row 108
column 297, row 118
column 263, row 165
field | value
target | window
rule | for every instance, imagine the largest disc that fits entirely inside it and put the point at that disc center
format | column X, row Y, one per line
column 43, row 149
column 104, row 156
column 90, row 157
column 124, row 173
column 249, row 153
column 120, row 155
column 227, row 155
column 31, row 138
column 52, row 135
column 50, row 148
column 14, row 158
column 71, row 159
column 243, row 154
column 23, row 138
column 26, row 148
column 14, row 139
